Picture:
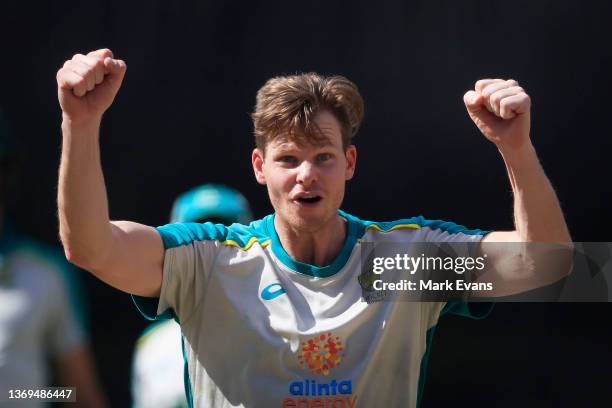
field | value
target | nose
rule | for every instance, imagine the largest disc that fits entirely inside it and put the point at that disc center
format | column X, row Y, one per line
column 306, row 174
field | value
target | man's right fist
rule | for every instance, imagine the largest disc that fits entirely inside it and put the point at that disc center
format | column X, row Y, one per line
column 87, row 84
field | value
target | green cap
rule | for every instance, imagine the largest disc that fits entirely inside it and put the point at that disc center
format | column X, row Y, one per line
column 211, row 201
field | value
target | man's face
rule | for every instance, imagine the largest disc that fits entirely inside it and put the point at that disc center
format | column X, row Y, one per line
column 306, row 183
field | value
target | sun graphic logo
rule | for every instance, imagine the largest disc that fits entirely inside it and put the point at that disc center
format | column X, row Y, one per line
column 321, row 353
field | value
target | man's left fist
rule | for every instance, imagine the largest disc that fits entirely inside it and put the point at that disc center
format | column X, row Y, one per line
column 500, row 109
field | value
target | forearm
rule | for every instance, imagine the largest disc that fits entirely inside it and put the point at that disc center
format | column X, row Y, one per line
column 537, row 212
column 85, row 229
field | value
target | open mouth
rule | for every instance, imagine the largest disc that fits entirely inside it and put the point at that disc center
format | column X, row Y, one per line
column 309, row 199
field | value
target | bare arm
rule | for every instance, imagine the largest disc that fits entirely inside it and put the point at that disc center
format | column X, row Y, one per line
column 126, row 255
column 501, row 110
column 537, row 212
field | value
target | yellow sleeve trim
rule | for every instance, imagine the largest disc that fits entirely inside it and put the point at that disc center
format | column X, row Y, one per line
column 393, row 228
column 253, row 240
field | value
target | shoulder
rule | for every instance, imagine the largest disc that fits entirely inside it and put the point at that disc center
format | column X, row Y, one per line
column 412, row 225
column 236, row 235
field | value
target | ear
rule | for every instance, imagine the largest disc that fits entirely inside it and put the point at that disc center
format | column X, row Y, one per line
column 351, row 161
column 257, row 159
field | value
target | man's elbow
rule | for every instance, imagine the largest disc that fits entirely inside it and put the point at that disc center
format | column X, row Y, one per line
column 71, row 251
column 89, row 259
column 76, row 258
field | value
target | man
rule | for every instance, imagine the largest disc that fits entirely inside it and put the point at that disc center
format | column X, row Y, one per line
column 41, row 335
column 272, row 313
column 158, row 365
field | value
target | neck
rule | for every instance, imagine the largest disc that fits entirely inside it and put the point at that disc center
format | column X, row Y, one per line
column 319, row 247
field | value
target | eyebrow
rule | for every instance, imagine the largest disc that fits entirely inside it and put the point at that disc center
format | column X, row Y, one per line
column 287, row 148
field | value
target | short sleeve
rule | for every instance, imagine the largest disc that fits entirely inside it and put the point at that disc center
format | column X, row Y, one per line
column 187, row 265
column 446, row 232
column 449, row 232
column 431, row 312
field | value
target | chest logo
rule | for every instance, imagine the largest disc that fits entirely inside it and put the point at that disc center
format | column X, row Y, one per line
column 272, row 291
column 321, row 353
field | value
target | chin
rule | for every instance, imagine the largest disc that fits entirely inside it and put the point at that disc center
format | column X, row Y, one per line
column 310, row 223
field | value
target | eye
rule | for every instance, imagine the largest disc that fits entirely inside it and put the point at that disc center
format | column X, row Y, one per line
column 287, row 159
column 324, row 157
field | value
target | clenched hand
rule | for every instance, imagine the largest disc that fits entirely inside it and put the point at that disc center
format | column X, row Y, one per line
column 87, row 85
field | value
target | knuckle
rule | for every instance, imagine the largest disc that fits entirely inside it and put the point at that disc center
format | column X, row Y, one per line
column 82, row 71
column 99, row 64
column 481, row 84
column 90, row 69
column 102, row 53
column 90, row 61
column 62, row 72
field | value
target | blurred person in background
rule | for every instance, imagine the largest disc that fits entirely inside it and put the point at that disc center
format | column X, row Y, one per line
column 158, row 366
column 42, row 333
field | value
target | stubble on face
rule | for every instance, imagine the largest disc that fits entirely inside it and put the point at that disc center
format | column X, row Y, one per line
column 325, row 178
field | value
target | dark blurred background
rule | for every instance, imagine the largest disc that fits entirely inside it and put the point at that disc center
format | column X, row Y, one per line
column 182, row 118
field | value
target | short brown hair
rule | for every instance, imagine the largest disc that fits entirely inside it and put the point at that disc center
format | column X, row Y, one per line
column 289, row 104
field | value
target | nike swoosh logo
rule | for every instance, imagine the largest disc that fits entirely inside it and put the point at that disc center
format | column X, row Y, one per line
column 272, row 291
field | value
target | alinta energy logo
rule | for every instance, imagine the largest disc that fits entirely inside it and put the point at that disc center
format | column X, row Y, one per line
column 320, row 355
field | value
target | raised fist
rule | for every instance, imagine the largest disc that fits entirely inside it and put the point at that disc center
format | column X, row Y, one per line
column 87, row 84
column 501, row 110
